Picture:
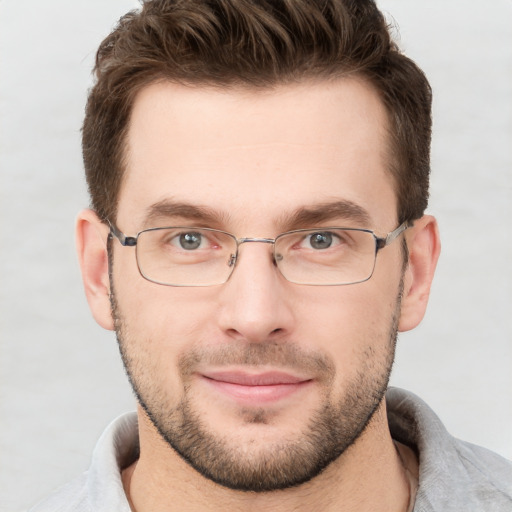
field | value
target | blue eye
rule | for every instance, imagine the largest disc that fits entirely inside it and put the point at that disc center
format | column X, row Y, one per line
column 190, row 241
column 321, row 240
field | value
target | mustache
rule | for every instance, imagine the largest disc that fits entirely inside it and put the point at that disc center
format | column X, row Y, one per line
column 278, row 355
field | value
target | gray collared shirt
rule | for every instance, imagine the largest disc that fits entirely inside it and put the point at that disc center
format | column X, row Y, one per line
column 454, row 476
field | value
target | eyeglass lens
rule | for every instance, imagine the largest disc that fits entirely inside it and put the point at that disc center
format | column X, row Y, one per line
column 204, row 257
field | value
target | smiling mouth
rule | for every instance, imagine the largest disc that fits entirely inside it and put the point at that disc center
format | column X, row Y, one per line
column 256, row 388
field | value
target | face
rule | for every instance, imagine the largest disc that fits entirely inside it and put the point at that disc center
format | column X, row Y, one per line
column 258, row 383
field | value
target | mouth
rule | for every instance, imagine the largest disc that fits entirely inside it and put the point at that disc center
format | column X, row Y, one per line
column 255, row 388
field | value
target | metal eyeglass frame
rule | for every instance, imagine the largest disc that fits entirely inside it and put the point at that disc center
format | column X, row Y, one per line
column 380, row 243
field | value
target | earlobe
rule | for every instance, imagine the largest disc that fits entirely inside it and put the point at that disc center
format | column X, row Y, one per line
column 91, row 244
column 424, row 247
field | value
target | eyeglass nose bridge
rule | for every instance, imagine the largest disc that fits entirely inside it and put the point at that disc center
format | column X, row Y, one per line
column 234, row 257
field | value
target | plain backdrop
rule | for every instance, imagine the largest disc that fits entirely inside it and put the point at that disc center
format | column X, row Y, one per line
column 60, row 376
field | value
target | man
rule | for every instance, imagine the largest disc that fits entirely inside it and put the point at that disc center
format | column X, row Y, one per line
column 259, row 175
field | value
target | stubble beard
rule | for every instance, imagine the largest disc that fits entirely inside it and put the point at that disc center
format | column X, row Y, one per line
column 334, row 427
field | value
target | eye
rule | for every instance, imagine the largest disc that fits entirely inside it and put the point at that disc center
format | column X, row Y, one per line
column 188, row 241
column 322, row 240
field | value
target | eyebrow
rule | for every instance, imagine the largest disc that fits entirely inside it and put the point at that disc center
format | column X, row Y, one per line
column 168, row 208
column 305, row 216
column 343, row 210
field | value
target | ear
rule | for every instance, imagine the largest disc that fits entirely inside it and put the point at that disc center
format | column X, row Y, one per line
column 91, row 245
column 424, row 247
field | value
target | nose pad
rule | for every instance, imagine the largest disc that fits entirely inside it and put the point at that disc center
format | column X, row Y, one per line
column 232, row 260
column 275, row 256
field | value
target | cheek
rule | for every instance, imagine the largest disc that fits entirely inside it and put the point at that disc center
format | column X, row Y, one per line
column 350, row 324
column 160, row 311
column 159, row 323
column 154, row 333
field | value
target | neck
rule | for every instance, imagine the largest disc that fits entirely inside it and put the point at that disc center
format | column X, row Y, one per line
column 368, row 476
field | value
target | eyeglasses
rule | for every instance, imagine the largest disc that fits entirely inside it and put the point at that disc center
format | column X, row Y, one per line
column 195, row 256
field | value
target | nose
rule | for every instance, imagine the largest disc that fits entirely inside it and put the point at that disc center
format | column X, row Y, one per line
column 256, row 303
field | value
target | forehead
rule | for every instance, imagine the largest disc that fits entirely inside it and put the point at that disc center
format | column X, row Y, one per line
column 248, row 152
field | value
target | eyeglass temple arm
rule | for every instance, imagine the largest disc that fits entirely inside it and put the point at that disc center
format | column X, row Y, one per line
column 126, row 241
column 383, row 242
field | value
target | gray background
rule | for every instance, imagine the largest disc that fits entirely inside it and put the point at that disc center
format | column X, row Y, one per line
column 60, row 378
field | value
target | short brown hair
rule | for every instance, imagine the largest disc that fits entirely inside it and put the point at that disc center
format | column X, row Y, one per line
column 258, row 44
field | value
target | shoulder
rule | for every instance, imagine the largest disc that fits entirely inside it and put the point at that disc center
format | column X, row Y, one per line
column 100, row 489
column 70, row 498
column 453, row 474
column 489, row 473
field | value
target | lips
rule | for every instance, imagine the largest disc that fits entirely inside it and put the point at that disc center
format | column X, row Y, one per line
column 258, row 379
column 255, row 388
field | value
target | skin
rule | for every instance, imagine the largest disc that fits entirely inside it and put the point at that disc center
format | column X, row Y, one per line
column 254, row 158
